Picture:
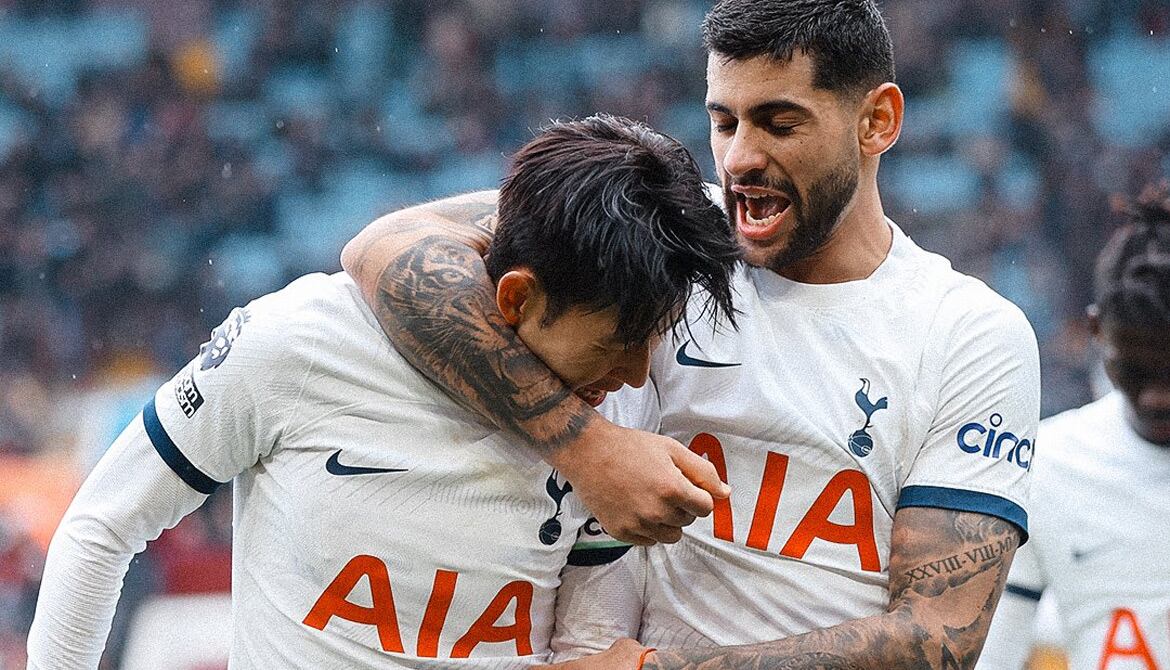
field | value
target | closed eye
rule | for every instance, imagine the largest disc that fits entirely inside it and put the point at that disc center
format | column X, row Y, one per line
column 723, row 126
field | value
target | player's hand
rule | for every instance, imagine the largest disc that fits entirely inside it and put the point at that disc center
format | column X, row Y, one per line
column 621, row 655
column 643, row 488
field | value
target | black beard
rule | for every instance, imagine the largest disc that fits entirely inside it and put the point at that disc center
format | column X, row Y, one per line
column 816, row 218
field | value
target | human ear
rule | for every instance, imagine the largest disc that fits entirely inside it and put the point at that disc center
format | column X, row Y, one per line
column 880, row 123
column 515, row 293
column 1093, row 312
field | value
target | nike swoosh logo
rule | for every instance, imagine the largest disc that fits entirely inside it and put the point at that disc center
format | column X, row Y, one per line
column 334, row 467
column 684, row 359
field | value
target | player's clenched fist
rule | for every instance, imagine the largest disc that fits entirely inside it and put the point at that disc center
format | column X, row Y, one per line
column 643, row 488
column 622, row 655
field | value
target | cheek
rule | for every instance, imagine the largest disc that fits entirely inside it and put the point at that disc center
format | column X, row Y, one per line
column 581, row 367
column 800, row 161
column 1128, row 386
column 718, row 150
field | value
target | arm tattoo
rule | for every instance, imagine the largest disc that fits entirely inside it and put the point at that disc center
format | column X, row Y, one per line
column 947, row 570
column 437, row 305
column 479, row 216
column 470, row 221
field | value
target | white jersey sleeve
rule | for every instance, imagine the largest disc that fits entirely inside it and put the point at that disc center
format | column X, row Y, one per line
column 977, row 453
column 214, row 419
column 129, row 499
column 226, row 409
column 1012, row 634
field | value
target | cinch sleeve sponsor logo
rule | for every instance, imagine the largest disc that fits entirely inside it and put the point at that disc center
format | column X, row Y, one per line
column 595, row 546
column 593, row 528
column 993, row 442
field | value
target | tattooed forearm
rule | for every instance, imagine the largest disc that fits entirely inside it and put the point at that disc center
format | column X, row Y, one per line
column 816, row 660
column 986, row 546
column 438, row 307
column 956, row 562
column 480, row 216
column 421, row 271
column 468, row 219
column 947, row 571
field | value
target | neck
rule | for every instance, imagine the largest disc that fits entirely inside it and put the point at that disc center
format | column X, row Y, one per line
column 860, row 243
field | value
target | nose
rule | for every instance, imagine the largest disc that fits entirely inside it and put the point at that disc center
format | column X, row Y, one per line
column 743, row 153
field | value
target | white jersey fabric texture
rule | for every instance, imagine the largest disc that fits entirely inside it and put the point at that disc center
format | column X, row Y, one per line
column 1100, row 518
column 830, row 408
column 377, row 524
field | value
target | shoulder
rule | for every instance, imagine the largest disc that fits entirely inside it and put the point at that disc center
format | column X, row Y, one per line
column 293, row 321
column 307, row 298
column 1068, row 421
column 970, row 313
column 956, row 307
column 1074, row 471
column 1079, row 441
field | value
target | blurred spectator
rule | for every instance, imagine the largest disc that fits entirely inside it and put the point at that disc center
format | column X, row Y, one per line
column 21, row 563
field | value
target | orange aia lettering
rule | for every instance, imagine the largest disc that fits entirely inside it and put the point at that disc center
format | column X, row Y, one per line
column 436, row 615
column 381, row 614
column 705, row 444
column 771, row 485
column 485, row 629
column 816, row 524
column 1137, row 649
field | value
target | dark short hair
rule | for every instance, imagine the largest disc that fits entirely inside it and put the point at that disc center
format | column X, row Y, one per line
column 1132, row 283
column 606, row 212
column 847, row 39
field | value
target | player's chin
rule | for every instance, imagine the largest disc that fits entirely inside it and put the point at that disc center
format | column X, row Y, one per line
column 761, row 254
column 1157, row 431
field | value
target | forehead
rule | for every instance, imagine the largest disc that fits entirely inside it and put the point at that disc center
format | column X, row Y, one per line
column 745, row 83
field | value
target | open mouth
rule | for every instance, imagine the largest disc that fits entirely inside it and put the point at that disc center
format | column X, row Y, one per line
column 593, row 397
column 759, row 212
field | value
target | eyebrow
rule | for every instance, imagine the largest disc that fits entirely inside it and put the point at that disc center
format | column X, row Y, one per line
column 764, row 108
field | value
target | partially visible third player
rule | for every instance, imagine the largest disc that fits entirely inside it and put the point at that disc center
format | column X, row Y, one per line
column 1101, row 494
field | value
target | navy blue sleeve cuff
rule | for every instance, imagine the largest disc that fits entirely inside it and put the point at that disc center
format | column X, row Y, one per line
column 171, row 455
column 597, row 555
column 966, row 501
column 1022, row 592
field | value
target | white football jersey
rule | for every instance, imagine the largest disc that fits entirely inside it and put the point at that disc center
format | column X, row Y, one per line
column 377, row 524
column 1100, row 516
column 831, row 407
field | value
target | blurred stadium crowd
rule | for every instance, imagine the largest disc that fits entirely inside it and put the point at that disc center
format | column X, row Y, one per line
column 161, row 162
